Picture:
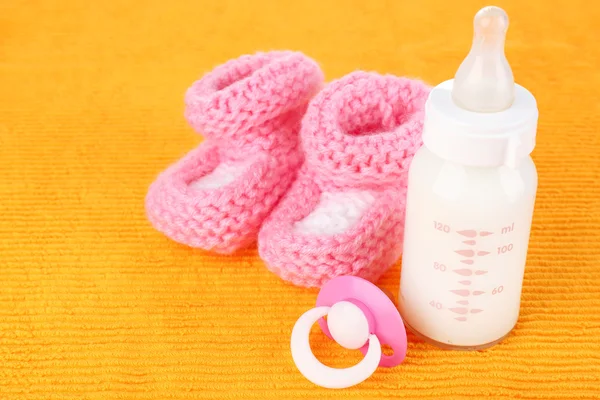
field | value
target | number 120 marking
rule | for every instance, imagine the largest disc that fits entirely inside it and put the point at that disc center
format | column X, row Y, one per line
column 441, row 227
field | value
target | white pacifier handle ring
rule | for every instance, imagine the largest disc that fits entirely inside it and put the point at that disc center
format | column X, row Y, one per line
column 322, row 375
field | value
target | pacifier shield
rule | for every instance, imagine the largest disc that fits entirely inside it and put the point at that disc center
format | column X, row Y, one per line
column 388, row 325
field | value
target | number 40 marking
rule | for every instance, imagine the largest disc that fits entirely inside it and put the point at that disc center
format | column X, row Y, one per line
column 435, row 304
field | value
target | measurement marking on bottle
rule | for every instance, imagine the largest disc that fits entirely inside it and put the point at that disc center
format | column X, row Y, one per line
column 461, row 292
column 436, row 304
column 439, row 267
column 504, row 249
column 463, row 272
column 470, row 257
column 508, row 229
column 441, row 227
column 465, row 253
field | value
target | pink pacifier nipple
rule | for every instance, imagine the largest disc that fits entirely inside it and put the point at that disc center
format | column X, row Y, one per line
column 359, row 316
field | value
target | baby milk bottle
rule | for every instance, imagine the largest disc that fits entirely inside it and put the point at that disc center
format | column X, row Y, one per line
column 471, row 194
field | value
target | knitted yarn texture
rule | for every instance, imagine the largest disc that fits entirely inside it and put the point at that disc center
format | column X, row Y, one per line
column 249, row 110
column 359, row 136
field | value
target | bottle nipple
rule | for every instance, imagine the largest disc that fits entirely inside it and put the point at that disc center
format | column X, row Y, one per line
column 484, row 81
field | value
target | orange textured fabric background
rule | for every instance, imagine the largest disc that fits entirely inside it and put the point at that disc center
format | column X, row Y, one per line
column 95, row 304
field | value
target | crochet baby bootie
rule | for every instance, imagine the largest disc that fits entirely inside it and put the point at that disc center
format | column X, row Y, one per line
column 249, row 110
column 344, row 214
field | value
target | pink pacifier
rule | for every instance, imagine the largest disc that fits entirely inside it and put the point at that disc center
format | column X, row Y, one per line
column 359, row 316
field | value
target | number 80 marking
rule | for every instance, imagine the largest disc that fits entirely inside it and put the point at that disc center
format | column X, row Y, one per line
column 439, row 266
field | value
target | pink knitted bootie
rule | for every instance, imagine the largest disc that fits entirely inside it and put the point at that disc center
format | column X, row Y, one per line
column 249, row 109
column 344, row 214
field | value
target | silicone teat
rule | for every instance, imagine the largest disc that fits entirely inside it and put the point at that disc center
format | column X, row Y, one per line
column 484, row 81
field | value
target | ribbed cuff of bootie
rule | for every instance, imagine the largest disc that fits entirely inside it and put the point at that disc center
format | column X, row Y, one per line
column 238, row 103
column 362, row 130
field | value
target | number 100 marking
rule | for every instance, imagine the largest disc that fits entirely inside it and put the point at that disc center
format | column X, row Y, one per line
column 504, row 249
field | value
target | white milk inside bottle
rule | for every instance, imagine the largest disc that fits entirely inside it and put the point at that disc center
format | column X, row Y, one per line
column 470, row 201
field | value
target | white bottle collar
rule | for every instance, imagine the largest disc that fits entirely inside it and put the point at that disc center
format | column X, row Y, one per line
column 480, row 139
